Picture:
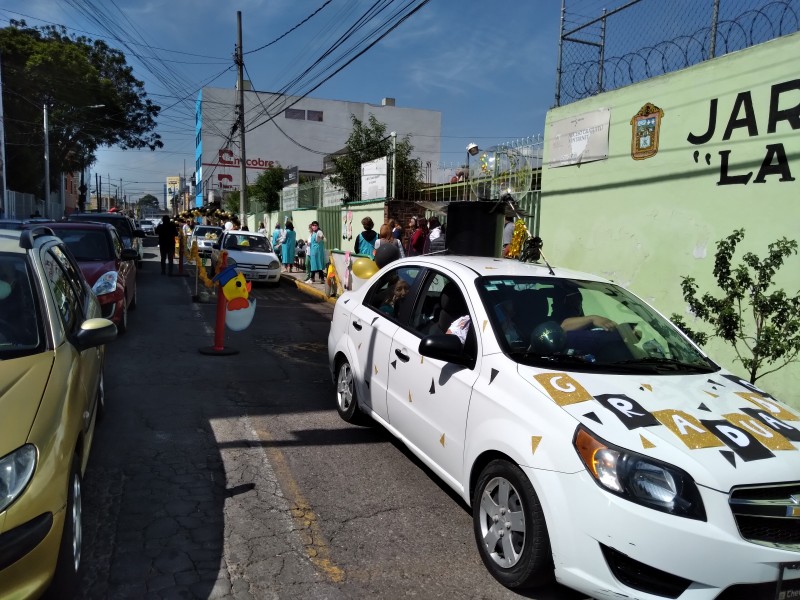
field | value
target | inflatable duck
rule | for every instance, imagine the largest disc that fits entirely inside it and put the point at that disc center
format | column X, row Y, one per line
column 239, row 309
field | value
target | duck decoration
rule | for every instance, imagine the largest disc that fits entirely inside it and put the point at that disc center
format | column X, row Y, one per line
column 239, row 309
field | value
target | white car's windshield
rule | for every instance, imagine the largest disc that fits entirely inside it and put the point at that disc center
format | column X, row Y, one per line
column 249, row 243
column 584, row 323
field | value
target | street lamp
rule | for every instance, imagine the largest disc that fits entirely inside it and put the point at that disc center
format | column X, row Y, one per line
column 472, row 150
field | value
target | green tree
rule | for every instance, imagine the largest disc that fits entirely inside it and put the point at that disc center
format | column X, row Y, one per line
column 93, row 100
column 147, row 204
column 266, row 189
column 762, row 325
column 368, row 142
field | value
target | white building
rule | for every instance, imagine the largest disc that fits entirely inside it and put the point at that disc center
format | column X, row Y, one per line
column 290, row 132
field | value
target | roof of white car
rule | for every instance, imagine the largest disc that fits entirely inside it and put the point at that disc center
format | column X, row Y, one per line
column 471, row 266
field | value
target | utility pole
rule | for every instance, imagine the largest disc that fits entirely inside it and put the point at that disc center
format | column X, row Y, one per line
column 98, row 189
column 46, row 164
column 243, row 158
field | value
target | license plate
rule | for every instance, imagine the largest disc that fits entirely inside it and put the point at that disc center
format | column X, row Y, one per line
column 788, row 582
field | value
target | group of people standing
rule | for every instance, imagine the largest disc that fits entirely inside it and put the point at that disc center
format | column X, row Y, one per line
column 286, row 245
column 425, row 236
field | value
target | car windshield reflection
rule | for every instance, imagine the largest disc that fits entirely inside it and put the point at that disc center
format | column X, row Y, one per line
column 585, row 325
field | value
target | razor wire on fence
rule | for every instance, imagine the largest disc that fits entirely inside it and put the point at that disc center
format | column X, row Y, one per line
column 645, row 38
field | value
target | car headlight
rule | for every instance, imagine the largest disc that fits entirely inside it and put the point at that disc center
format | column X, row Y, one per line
column 274, row 265
column 16, row 470
column 106, row 284
column 639, row 478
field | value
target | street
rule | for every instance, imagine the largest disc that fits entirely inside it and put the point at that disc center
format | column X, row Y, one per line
column 234, row 477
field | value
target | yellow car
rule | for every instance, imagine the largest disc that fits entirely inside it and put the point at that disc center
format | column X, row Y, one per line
column 51, row 392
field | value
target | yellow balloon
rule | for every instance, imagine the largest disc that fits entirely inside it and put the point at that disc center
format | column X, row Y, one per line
column 364, row 268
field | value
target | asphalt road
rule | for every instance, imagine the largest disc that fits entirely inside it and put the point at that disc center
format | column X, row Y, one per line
column 233, row 476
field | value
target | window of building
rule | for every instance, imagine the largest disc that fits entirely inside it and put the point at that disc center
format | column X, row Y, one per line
column 314, row 115
column 294, row 113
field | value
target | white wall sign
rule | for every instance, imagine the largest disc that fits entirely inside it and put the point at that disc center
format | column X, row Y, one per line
column 579, row 139
column 373, row 179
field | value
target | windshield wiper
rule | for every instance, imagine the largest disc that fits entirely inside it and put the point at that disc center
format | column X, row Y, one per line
column 668, row 364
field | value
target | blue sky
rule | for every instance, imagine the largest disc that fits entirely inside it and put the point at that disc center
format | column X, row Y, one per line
column 489, row 67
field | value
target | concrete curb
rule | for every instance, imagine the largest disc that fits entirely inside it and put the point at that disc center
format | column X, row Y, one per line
column 307, row 289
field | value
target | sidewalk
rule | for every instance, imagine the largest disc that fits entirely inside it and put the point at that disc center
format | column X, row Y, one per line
column 297, row 278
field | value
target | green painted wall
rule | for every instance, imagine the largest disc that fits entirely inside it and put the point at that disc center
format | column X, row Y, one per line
column 645, row 223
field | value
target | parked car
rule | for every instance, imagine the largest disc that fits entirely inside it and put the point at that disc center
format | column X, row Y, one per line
column 147, row 226
column 131, row 236
column 106, row 264
column 252, row 254
column 51, row 393
column 593, row 441
column 19, row 224
column 205, row 236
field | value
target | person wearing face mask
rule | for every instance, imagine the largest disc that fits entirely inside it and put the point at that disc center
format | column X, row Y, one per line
column 316, row 253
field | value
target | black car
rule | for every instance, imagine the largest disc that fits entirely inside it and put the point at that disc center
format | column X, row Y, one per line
column 126, row 227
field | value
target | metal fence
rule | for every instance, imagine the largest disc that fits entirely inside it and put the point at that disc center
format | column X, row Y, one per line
column 641, row 39
column 22, row 206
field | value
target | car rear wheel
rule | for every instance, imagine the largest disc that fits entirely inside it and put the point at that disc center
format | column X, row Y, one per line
column 346, row 400
column 509, row 527
column 66, row 578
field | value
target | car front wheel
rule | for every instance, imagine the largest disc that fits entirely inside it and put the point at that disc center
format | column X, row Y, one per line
column 346, row 401
column 66, row 579
column 510, row 529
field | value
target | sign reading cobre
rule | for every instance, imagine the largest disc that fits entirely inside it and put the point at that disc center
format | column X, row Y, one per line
column 226, row 158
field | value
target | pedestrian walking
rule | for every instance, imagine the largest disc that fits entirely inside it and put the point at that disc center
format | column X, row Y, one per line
column 288, row 247
column 166, row 232
column 316, row 253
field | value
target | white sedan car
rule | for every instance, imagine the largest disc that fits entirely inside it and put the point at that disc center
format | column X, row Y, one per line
column 594, row 442
column 252, row 254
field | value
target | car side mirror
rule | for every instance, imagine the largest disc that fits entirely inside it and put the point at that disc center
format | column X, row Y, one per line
column 129, row 254
column 95, row 332
column 446, row 347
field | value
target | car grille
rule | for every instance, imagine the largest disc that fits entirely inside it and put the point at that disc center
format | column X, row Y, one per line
column 768, row 515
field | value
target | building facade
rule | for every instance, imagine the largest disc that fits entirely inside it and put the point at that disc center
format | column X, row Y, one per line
column 289, row 131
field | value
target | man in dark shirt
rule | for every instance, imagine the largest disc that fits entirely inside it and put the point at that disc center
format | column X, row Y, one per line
column 166, row 232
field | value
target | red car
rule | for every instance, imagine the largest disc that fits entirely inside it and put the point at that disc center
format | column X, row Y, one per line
column 108, row 266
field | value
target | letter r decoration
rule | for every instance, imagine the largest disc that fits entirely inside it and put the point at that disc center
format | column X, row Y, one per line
column 645, row 128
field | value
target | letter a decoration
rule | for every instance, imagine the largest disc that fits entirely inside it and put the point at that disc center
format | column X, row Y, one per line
column 645, row 127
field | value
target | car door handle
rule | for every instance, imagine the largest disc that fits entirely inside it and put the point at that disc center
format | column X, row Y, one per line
column 401, row 356
column 357, row 325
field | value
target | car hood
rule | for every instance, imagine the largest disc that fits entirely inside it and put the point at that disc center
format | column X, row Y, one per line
column 720, row 429
column 257, row 258
column 92, row 270
column 22, row 384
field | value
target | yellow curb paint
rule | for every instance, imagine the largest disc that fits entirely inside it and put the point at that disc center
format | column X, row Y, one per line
column 303, row 515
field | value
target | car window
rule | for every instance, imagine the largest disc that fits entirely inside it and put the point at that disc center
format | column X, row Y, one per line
column 21, row 332
column 86, row 244
column 117, row 244
column 62, row 286
column 440, row 304
column 391, row 292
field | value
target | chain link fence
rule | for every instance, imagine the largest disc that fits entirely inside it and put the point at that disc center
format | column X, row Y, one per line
column 641, row 39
